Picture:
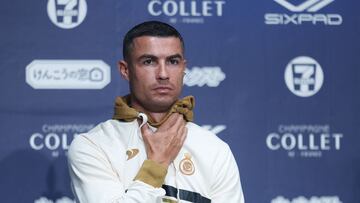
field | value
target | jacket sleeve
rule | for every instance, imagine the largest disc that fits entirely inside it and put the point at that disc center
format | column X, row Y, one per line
column 226, row 186
column 95, row 181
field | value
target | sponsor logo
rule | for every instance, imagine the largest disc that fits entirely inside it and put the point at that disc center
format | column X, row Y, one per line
column 61, row 200
column 307, row 141
column 186, row 165
column 313, row 199
column 68, row 74
column 210, row 76
column 67, row 14
column 309, row 5
column 131, row 153
column 56, row 138
column 304, row 76
column 182, row 11
column 217, row 129
column 303, row 13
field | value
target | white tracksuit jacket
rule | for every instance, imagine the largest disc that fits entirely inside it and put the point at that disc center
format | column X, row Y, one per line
column 101, row 172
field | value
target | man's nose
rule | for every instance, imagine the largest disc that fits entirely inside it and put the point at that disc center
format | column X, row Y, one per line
column 163, row 71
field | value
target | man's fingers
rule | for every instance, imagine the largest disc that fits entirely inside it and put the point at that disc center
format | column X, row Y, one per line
column 163, row 146
column 183, row 136
column 178, row 139
column 145, row 130
column 180, row 122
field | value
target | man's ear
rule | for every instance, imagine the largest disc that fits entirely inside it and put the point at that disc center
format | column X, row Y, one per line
column 185, row 63
column 123, row 67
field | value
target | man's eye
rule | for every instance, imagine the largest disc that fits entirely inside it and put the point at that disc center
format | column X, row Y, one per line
column 148, row 62
column 174, row 61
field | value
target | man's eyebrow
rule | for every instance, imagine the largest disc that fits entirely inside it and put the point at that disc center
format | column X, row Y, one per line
column 146, row 56
column 175, row 56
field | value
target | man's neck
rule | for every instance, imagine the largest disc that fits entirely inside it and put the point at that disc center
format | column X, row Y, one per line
column 157, row 116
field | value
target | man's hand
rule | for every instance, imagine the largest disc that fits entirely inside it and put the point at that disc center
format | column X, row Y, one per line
column 164, row 145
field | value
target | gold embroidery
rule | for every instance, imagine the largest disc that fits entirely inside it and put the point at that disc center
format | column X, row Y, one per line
column 166, row 200
column 186, row 165
column 131, row 153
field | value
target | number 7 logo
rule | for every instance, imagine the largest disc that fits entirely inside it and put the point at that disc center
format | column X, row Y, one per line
column 67, row 14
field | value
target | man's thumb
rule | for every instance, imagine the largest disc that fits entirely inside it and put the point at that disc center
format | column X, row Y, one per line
column 145, row 130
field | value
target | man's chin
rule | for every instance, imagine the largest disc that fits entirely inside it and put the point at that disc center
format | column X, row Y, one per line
column 161, row 105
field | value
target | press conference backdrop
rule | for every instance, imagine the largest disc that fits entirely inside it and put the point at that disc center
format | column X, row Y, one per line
column 278, row 80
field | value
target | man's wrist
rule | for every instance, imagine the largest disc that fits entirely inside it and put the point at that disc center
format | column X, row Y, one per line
column 165, row 164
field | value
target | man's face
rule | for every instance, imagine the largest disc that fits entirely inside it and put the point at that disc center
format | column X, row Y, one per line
column 155, row 72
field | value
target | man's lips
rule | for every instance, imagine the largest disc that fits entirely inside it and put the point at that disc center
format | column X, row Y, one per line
column 163, row 89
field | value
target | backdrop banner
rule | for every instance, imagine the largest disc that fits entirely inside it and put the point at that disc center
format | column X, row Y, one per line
column 278, row 80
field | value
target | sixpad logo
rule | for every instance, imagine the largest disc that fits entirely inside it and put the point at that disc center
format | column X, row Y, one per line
column 56, row 138
column 67, row 14
column 303, row 13
column 186, row 11
column 68, row 74
column 306, row 141
column 313, row 199
column 304, row 76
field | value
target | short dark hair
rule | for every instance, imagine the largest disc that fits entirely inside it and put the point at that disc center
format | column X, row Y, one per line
column 149, row 28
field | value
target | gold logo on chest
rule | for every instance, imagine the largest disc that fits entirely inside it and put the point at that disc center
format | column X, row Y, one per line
column 131, row 153
column 186, row 165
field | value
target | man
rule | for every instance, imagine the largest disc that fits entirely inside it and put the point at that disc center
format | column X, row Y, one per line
column 151, row 151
